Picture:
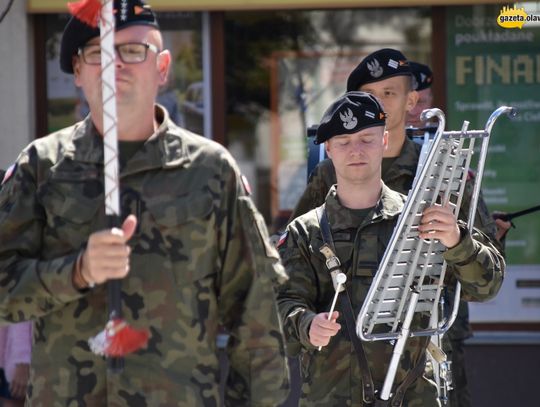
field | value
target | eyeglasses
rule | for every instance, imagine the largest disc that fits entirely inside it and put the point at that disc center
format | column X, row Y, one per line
column 129, row 53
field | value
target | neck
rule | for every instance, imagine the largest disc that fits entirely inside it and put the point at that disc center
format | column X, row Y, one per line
column 131, row 125
column 396, row 139
column 359, row 196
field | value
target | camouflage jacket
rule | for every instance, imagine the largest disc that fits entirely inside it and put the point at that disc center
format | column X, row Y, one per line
column 399, row 177
column 200, row 258
column 331, row 377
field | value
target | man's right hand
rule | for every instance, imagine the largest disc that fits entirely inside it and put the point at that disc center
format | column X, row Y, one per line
column 107, row 254
column 321, row 329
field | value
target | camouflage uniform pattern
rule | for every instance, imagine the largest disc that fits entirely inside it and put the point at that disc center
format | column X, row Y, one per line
column 399, row 177
column 331, row 377
column 200, row 258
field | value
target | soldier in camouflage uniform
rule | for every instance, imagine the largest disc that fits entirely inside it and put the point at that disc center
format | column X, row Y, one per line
column 362, row 213
column 197, row 255
column 398, row 171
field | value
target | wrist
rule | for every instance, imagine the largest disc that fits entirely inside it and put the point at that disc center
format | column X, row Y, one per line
column 80, row 281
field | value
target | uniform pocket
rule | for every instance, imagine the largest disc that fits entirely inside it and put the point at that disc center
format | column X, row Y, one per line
column 183, row 230
column 170, row 212
column 72, row 210
column 366, row 256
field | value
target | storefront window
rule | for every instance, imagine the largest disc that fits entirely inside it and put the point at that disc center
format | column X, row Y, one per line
column 283, row 69
column 182, row 95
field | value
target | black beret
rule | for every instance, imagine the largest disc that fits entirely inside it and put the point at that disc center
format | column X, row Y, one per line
column 379, row 65
column 422, row 76
column 352, row 112
column 76, row 33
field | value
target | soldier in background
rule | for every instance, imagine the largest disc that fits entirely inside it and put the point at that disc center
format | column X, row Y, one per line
column 422, row 81
column 192, row 252
column 362, row 213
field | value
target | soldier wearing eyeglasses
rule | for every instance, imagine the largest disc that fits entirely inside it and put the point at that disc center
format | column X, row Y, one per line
column 192, row 250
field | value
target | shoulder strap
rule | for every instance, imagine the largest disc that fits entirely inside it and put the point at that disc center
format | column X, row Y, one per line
column 334, row 266
column 410, row 378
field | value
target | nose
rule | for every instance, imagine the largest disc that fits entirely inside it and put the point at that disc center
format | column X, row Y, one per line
column 356, row 148
column 118, row 63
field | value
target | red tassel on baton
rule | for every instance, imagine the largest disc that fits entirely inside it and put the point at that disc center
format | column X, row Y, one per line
column 118, row 339
column 88, row 11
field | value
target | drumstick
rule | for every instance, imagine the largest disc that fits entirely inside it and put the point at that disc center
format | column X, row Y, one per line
column 340, row 279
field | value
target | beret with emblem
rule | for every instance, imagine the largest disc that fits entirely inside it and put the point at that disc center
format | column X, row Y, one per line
column 422, row 76
column 352, row 112
column 77, row 33
column 379, row 65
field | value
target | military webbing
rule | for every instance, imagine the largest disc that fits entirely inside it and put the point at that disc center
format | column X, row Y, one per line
column 344, row 303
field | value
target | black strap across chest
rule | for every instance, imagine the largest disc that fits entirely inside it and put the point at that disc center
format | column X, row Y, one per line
column 344, row 304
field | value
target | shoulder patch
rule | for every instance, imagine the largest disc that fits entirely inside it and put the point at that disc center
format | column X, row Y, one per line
column 282, row 239
column 246, row 185
column 10, row 171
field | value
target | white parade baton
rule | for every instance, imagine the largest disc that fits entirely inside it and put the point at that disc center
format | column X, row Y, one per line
column 118, row 338
column 110, row 132
column 340, row 279
column 110, row 152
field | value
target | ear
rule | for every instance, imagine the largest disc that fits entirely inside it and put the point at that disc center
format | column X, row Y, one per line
column 328, row 149
column 76, row 63
column 163, row 66
column 412, row 99
column 385, row 139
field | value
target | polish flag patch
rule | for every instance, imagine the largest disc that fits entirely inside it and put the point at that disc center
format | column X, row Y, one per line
column 282, row 239
column 10, row 171
column 245, row 182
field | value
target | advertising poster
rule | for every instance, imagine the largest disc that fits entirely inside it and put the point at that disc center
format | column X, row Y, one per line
column 491, row 65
